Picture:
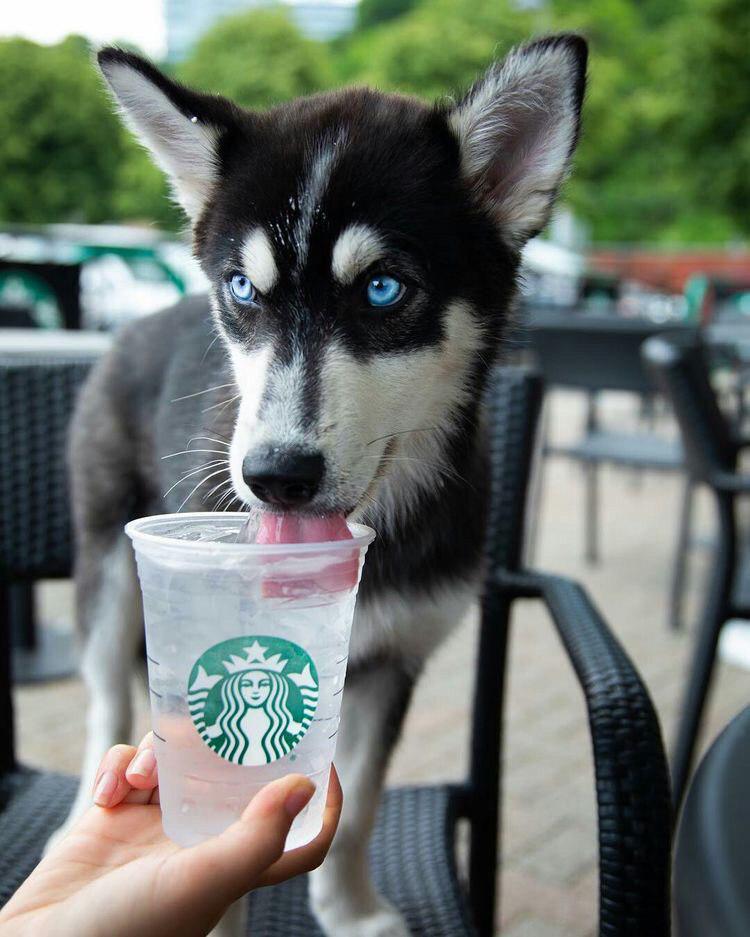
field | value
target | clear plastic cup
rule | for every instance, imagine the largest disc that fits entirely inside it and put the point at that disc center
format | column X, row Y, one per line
column 247, row 648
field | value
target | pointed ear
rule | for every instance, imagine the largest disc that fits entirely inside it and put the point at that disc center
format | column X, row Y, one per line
column 517, row 129
column 181, row 128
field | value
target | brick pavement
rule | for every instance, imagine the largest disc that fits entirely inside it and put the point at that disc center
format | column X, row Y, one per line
column 548, row 879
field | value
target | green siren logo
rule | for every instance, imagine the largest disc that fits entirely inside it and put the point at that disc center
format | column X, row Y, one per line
column 252, row 699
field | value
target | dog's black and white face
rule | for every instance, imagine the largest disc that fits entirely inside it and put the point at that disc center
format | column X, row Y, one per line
column 362, row 249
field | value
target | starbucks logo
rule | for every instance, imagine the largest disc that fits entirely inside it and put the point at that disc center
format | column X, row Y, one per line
column 252, row 699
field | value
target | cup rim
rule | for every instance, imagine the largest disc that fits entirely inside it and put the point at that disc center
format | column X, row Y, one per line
column 362, row 537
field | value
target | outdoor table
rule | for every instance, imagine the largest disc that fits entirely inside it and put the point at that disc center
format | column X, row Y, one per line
column 712, row 874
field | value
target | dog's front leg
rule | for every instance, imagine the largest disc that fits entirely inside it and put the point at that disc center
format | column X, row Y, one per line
column 341, row 892
column 109, row 610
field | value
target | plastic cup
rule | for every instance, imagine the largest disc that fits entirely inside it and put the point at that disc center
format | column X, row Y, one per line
column 247, row 647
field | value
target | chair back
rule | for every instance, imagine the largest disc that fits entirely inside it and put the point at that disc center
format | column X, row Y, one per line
column 680, row 368
column 513, row 401
column 594, row 352
column 37, row 396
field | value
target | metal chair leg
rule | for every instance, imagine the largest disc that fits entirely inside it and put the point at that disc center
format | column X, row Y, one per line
column 535, row 497
column 681, row 556
column 717, row 611
column 22, row 615
column 592, row 513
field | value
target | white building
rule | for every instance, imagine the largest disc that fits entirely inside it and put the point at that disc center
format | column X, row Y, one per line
column 187, row 20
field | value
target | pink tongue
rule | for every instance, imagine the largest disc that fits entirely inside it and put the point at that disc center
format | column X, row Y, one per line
column 291, row 528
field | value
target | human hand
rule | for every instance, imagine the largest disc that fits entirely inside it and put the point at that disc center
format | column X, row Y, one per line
column 116, row 873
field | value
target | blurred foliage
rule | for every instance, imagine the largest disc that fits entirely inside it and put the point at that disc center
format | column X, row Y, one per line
column 257, row 58
column 373, row 12
column 714, row 71
column 438, row 48
column 60, row 143
column 664, row 155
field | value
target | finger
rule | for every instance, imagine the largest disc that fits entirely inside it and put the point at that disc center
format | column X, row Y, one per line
column 142, row 771
column 230, row 864
column 306, row 858
column 110, row 785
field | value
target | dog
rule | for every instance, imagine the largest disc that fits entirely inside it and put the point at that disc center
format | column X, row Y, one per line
column 363, row 252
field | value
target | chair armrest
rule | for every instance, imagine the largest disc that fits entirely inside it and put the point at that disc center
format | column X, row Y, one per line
column 730, row 483
column 632, row 779
column 741, row 441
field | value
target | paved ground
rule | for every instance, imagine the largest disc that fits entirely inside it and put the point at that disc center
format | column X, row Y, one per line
column 548, row 877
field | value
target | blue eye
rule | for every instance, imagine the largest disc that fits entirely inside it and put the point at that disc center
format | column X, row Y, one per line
column 242, row 289
column 384, row 291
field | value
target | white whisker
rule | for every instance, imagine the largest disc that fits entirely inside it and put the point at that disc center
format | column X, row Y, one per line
column 219, row 442
column 218, row 486
column 222, row 403
column 201, row 468
column 201, row 482
column 206, row 391
column 211, row 345
column 230, row 499
column 191, row 451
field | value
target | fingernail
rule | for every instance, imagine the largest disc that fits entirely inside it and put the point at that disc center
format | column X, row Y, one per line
column 143, row 764
column 105, row 789
column 298, row 798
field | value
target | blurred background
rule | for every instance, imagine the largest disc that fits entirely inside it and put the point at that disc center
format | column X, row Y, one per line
column 660, row 193
column 652, row 234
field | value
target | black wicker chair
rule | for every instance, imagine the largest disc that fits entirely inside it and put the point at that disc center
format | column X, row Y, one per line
column 413, row 848
column 597, row 354
column 37, row 395
column 681, row 369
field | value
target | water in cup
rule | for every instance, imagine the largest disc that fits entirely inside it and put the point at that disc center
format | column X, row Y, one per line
column 247, row 648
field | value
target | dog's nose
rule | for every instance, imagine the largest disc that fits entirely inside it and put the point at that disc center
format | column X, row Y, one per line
column 286, row 477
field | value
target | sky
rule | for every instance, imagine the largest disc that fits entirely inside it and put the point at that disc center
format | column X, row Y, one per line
column 138, row 21
column 46, row 21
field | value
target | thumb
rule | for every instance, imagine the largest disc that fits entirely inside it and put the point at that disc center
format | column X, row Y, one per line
column 230, row 864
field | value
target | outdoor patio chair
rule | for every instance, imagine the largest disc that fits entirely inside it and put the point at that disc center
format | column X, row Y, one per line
column 413, row 851
column 595, row 354
column 37, row 395
column 712, row 874
column 681, row 369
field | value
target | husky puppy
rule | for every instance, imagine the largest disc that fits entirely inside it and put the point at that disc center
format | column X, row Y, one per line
column 362, row 250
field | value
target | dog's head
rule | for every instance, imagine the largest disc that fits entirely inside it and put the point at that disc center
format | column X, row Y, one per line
column 362, row 250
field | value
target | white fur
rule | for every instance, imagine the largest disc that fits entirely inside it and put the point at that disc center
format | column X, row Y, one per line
column 409, row 625
column 394, row 394
column 516, row 129
column 251, row 374
column 312, row 193
column 183, row 147
column 280, row 421
column 107, row 663
column 356, row 248
column 259, row 261
column 341, row 891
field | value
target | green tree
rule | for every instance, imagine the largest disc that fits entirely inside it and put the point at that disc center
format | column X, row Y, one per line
column 60, row 141
column 374, row 12
column 629, row 181
column 714, row 78
column 257, row 58
column 440, row 47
